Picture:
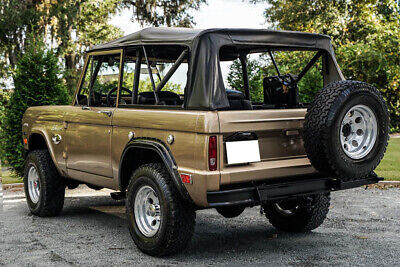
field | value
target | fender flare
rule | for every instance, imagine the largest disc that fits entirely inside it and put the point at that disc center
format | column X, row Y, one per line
column 165, row 154
column 46, row 138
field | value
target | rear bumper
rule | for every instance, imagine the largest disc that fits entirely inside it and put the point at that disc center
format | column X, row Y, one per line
column 256, row 194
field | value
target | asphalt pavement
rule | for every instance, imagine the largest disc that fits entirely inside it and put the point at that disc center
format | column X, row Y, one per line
column 362, row 229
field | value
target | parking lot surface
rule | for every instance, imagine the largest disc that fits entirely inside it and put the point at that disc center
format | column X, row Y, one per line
column 362, row 229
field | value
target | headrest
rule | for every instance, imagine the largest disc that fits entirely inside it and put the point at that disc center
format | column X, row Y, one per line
column 161, row 94
column 234, row 95
column 166, row 98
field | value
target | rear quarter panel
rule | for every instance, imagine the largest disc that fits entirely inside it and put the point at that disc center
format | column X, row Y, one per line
column 190, row 130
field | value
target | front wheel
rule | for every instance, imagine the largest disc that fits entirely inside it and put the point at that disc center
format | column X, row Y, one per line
column 44, row 187
column 298, row 215
column 160, row 221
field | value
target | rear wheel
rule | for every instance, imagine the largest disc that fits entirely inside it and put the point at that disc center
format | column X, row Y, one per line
column 160, row 221
column 346, row 130
column 44, row 187
column 299, row 215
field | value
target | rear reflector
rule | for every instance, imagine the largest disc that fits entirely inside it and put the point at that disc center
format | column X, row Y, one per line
column 186, row 178
column 212, row 153
column 25, row 141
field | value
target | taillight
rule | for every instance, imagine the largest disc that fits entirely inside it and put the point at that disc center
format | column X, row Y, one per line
column 212, row 153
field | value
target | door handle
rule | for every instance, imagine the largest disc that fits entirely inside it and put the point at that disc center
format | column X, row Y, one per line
column 108, row 113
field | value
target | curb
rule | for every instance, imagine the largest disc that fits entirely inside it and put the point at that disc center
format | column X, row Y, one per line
column 16, row 186
column 389, row 182
column 396, row 135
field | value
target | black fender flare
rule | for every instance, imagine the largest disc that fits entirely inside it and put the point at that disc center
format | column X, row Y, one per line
column 165, row 154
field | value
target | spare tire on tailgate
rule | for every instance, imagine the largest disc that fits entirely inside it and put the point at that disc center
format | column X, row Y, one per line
column 346, row 130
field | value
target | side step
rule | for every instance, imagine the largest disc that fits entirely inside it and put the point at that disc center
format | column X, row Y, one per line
column 257, row 194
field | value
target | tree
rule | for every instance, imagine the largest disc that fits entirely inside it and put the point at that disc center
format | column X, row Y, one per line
column 4, row 98
column 36, row 83
column 255, row 74
column 288, row 62
column 163, row 12
column 72, row 26
column 365, row 34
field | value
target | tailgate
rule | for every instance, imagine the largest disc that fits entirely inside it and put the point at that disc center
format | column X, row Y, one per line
column 280, row 144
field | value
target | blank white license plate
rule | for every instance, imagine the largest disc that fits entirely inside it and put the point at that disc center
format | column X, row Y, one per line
column 242, row 151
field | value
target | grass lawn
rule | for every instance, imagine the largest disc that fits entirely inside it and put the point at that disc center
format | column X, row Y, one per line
column 389, row 168
column 7, row 178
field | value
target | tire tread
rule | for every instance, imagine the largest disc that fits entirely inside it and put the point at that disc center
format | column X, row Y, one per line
column 317, row 128
column 180, row 224
column 53, row 186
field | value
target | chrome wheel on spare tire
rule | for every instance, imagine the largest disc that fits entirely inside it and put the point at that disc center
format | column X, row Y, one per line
column 147, row 211
column 359, row 130
column 346, row 130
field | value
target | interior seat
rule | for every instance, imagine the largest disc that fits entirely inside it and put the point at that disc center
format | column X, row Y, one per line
column 238, row 101
column 165, row 98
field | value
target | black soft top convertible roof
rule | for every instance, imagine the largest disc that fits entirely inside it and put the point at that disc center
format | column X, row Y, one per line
column 205, row 88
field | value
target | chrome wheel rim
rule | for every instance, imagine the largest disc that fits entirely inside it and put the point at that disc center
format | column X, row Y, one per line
column 147, row 211
column 286, row 211
column 33, row 184
column 358, row 131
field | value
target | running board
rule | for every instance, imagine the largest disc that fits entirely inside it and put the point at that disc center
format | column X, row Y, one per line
column 257, row 194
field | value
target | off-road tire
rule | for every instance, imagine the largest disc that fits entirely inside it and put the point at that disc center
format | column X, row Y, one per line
column 52, row 185
column 230, row 211
column 310, row 214
column 178, row 217
column 321, row 132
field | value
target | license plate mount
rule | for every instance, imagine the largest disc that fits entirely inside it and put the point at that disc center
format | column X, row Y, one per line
column 240, row 152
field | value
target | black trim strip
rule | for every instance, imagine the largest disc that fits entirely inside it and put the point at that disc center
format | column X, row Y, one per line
column 164, row 152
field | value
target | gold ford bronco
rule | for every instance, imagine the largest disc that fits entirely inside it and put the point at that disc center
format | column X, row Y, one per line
column 153, row 120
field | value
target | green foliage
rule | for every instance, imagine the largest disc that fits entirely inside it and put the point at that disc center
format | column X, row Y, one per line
column 4, row 99
column 255, row 73
column 163, row 12
column 146, row 86
column 293, row 62
column 288, row 62
column 36, row 83
column 72, row 26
